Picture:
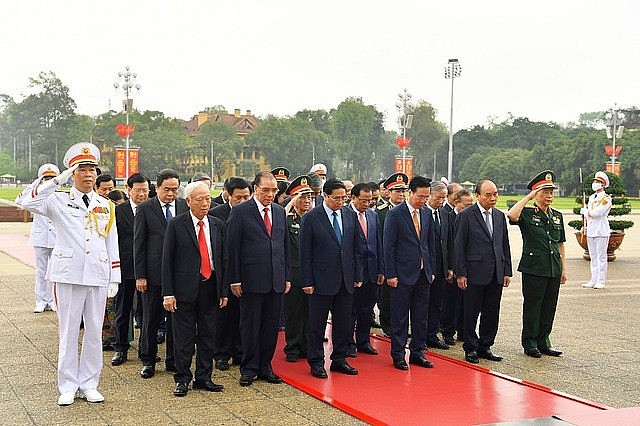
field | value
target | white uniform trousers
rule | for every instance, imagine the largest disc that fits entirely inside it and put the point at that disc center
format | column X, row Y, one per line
column 75, row 302
column 598, row 253
column 43, row 287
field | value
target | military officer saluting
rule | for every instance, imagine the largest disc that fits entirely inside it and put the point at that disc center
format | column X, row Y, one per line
column 84, row 267
column 542, row 263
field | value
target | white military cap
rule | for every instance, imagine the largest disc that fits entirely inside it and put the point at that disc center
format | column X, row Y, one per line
column 319, row 169
column 48, row 169
column 603, row 178
column 82, row 153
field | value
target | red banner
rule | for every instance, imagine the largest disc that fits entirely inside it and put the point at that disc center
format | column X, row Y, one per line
column 121, row 160
column 408, row 165
column 612, row 168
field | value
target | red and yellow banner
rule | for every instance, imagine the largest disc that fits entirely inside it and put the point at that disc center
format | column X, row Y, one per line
column 121, row 161
column 408, row 165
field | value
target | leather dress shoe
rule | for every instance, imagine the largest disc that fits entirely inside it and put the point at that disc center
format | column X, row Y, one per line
column 351, row 353
column 119, row 358
column 367, row 349
column 270, row 377
column 343, row 367
column 181, row 389
column 246, row 380
column 450, row 341
column 472, row 357
column 550, row 351
column 319, row 372
column 420, row 361
column 292, row 358
column 534, row 353
column 147, row 371
column 487, row 354
column 437, row 345
column 208, row 386
column 222, row 364
column 401, row 364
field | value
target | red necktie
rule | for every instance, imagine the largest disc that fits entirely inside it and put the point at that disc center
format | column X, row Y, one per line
column 267, row 222
column 362, row 223
column 205, row 265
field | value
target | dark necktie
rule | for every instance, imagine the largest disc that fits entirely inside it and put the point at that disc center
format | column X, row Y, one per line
column 487, row 220
column 85, row 198
column 205, row 265
column 437, row 221
column 267, row 222
column 336, row 228
column 168, row 214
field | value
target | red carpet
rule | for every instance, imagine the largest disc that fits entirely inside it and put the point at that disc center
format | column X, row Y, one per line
column 17, row 246
column 453, row 392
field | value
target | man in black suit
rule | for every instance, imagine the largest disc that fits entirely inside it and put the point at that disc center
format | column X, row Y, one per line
column 223, row 196
column 452, row 191
column 193, row 260
column 227, row 343
column 259, row 274
column 330, row 268
column 138, row 189
column 444, row 262
column 148, row 237
column 483, row 268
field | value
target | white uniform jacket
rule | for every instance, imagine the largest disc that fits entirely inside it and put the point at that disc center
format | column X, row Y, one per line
column 598, row 209
column 86, row 248
column 43, row 232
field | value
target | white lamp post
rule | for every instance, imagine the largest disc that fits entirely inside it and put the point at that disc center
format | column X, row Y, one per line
column 614, row 130
column 452, row 70
column 404, row 106
column 127, row 81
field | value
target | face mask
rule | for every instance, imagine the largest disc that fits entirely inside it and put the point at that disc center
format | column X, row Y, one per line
column 596, row 186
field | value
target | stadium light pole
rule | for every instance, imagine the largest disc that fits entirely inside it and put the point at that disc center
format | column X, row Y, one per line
column 404, row 106
column 614, row 130
column 127, row 81
column 452, row 70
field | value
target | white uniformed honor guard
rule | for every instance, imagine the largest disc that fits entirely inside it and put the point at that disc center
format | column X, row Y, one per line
column 42, row 239
column 84, row 267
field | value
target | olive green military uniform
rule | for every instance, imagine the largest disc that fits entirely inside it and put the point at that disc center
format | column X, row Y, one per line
column 296, row 308
column 384, row 295
column 541, row 268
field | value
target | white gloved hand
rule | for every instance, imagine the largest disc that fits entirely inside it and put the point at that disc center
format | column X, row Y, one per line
column 65, row 175
column 583, row 211
column 113, row 289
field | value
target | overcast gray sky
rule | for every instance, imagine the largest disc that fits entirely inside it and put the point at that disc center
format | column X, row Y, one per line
column 546, row 60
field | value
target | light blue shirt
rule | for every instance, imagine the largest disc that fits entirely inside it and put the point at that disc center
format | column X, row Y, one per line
column 329, row 213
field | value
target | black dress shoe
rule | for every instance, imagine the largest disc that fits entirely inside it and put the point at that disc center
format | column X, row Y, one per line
column 550, row 351
column 368, row 349
column 450, row 341
column 208, row 386
column 107, row 347
column 160, row 337
column 319, row 372
column 351, row 353
column 147, row 371
column 487, row 354
column 292, row 358
column 343, row 367
column 534, row 353
column 246, row 380
column 222, row 364
column 437, row 345
column 472, row 357
column 401, row 364
column 270, row 377
column 420, row 361
column 119, row 358
column 181, row 389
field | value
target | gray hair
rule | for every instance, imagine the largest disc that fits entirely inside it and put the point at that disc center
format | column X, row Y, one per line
column 436, row 185
column 192, row 186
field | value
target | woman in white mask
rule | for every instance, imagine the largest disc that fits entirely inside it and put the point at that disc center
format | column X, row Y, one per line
column 598, row 231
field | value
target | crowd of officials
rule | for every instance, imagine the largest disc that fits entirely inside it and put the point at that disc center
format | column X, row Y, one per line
column 218, row 278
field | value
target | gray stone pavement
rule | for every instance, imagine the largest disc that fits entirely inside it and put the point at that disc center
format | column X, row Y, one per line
column 596, row 329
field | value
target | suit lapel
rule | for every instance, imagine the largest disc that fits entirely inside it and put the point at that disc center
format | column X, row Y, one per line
column 480, row 219
column 328, row 225
column 157, row 209
column 256, row 214
column 190, row 228
column 371, row 228
column 404, row 209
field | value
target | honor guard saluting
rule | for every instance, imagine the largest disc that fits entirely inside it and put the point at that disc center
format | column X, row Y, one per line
column 542, row 263
column 42, row 239
column 281, row 174
column 84, row 267
column 598, row 230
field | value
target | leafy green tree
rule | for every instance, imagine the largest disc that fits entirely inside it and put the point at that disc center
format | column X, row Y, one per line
column 221, row 139
column 216, row 109
column 427, row 134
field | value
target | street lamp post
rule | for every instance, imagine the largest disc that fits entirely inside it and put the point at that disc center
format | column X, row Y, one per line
column 127, row 81
column 452, row 70
column 614, row 130
column 404, row 106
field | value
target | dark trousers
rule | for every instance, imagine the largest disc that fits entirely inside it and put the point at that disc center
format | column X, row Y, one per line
column 436, row 298
column 384, row 304
column 194, row 324
column 152, row 310
column 228, row 344
column 483, row 301
column 259, row 317
column 452, row 311
column 124, row 302
column 407, row 299
column 364, row 297
column 538, row 309
column 296, row 322
column 340, row 305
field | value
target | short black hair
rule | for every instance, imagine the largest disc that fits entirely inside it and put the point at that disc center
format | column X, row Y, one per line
column 104, row 178
column 137, row 178
column 315, row 181
column 374, row 186
column 419, row 182
column 166, row 174
column 331, row 185
column 359, row 187
column 233, row 183
column 116, row 195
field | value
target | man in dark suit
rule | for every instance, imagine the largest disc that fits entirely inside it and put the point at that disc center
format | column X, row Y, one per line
column 223, row 196
column 138, row 189
column 193, row 260
column 410, row 261
column 452, row 191
column 227, row 343
column 364, row 296
column 148, row 237
column 331, row 268
column 483, row 268
column 259, row 274
column 444, row 262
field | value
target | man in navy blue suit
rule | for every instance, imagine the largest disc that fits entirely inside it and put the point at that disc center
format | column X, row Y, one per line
column 259, row 274
column 410, row 260
column 364, row 296
column 331, row 268
column 483, row 268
